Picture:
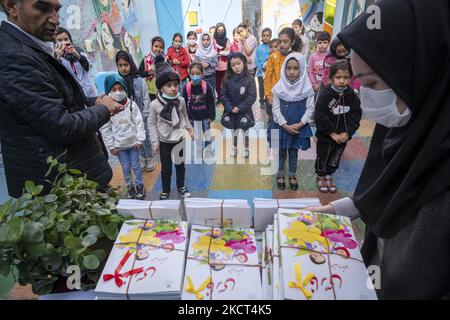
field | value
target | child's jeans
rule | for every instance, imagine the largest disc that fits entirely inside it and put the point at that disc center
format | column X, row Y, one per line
column 129, row 160
column 293, row 161
column 202, row 129
column 211, row 80
column 146, row 152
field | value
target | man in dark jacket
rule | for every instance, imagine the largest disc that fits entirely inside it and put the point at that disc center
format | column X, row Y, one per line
column 43, row 111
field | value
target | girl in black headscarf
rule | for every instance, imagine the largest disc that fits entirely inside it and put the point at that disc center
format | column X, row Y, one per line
column 137, row 92
column 222, row 45
column 403, row 194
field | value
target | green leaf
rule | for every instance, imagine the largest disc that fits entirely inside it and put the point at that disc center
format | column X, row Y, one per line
column 38, row 190
column 29, row 187
column 73, row 243
column 33, row 232
column 100, row 254
column 52, row 262
column 35, row 249
column 5, row 208
column 91, row 262
column 102, row 212
column 75, row 172
column 115, row 218
column 44, row 287
column 12, row 231
column 68, row 181
column 95, row 231
column 63, row 226
column 50, row 198
column 111, row 231
column 6, row 284
column 89, row 240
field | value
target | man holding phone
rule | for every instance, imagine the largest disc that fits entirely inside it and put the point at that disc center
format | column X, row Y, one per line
column 43, row 111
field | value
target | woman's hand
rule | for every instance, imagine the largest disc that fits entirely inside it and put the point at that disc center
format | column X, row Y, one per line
column 74, row 52
column 322, row 209
column 59, row 50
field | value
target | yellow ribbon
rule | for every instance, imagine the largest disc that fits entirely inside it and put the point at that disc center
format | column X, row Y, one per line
column 301, row 283
column 198, row 293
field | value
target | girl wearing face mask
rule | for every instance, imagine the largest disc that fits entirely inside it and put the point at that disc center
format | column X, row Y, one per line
column 207, row 56
column 338, row 52
column 124, row 136
column 223, row 46
column 192, row 45
column 201, row 108
column 179, row 59
column 403, row 194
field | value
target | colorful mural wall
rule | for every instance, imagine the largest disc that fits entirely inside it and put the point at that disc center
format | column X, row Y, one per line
column 102, row 27
column 278, row 14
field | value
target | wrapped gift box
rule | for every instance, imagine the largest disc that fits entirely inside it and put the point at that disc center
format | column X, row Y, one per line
column 146, row 263
column 150, row 210
column 222, row 264
column 265, row 209
column 320, row 258
column 218, row 213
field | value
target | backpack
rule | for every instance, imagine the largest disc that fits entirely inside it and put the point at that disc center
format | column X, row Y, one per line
column 189, row 89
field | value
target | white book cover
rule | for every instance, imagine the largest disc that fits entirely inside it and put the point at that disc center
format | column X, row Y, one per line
column 222, row 264
column 150, row 210
column 321, row 258
column 218, row 213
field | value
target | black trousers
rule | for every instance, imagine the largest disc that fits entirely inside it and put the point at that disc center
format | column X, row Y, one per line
column 329, row 155
column 261, row 90
column 168, row 156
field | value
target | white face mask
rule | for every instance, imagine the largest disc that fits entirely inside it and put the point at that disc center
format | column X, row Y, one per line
column 118, row 96
column 192, row 43
column 380, row 106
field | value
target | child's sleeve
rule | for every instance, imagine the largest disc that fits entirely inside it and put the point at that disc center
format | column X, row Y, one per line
column 311, row 71
column 139, row 123
column 354, row 120
column 185, row 62
column 153, row 126
column 268, row 81
column 250, row 97
column 326, row 72
column 228, row 106
column 211, row 103
column 321, row 118
column 144, row 74
column 146, row 100
column 259, row 58
column 309, row 113
column 107, row 135
column 184, row 114
column 276, row 111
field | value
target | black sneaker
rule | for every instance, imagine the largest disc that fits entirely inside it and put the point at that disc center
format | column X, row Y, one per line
column 164, row 196
column 184, row 192
column 140, row 193
column 131, row 192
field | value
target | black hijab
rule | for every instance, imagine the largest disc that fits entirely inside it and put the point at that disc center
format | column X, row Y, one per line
column 221, row 41
column 129, row 79
column 408, row 166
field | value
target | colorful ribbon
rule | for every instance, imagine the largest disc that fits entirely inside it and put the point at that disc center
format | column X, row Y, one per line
column 117, row 276
column 301, row 283
column 198, row 293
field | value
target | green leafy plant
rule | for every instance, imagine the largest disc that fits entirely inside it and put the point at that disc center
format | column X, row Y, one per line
column 42, row 235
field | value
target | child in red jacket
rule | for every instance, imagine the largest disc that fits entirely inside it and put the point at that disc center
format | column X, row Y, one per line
column 179, row 59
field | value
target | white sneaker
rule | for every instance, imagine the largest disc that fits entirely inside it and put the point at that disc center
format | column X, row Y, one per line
column 151, row 165
column 246, row 153
column 209, row 152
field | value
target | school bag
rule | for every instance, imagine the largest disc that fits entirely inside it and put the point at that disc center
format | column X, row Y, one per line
column 189, row 89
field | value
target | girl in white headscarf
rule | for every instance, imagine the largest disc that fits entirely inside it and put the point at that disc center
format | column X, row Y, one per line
column 293, row 110
column 207, row 56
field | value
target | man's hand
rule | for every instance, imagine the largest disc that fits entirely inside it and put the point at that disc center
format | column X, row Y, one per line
column 113, row 107
column 114, row 152
column 59, row 50
column 155, row 149
column 336, row 137
column 99, row 99
column 138, row 146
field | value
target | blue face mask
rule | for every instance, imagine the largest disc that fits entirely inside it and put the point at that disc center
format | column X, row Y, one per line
column 196, row 79
column 167, row 97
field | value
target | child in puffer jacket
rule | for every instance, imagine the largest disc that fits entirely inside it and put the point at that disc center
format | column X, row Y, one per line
column 124, row 136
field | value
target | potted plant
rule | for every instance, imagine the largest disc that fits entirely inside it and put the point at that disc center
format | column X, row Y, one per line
column 41, row 236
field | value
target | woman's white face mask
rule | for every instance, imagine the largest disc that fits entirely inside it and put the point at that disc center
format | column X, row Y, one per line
column 380, row 106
